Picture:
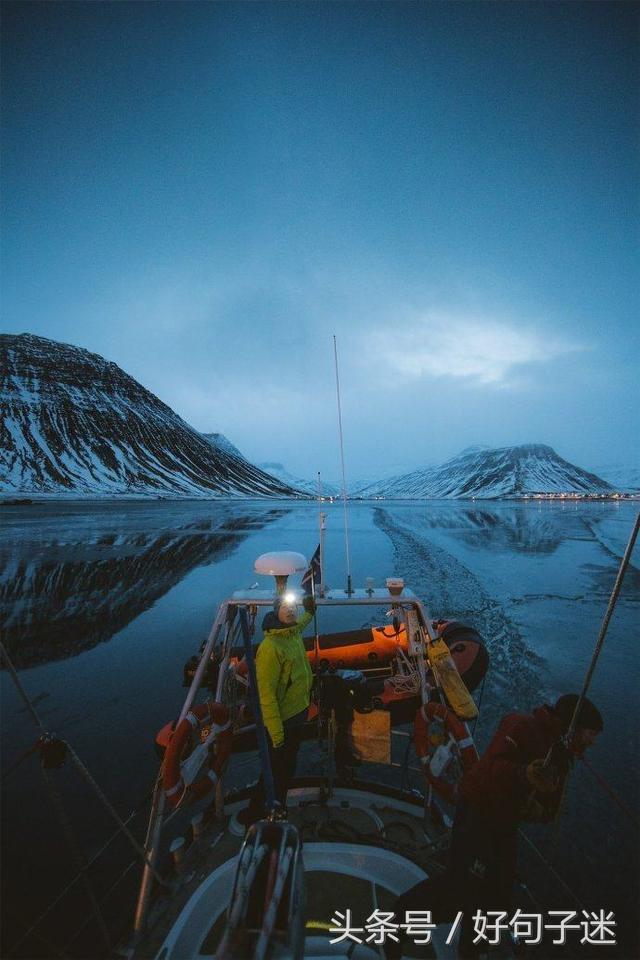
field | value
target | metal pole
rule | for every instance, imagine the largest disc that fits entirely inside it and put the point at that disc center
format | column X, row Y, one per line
column 323, row 523
column 322, row 518
column 624, row 563
column 154, row 829
column 151, row 845
column 316, row 640
column 344, row 482
column 261, row 735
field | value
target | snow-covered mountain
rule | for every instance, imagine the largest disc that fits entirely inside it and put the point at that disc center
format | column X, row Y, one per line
column 73, row 423
column 623, row 478
column 278, row 471
column 487, row 474
column 222, row 443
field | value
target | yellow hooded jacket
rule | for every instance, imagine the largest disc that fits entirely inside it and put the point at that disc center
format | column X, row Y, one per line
column 284, row 676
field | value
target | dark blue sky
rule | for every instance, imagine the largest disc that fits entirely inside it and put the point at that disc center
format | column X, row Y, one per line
column 205, row 193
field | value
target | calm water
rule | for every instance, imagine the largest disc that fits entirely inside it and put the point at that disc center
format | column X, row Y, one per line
column 102, row 604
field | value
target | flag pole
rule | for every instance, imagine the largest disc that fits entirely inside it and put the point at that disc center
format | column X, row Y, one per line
column 344, row 482
column 322, row 526
column 316, row 640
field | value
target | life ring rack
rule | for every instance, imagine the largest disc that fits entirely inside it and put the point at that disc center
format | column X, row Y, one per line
column 211, row 723
column 457, row 730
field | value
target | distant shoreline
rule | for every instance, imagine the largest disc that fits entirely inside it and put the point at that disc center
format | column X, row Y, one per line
column 40, row 498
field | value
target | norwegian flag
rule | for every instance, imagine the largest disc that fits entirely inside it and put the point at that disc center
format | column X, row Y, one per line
column 311, row 579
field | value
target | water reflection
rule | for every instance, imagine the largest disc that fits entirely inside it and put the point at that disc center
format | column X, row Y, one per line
column 521, row 527
column 80, row 587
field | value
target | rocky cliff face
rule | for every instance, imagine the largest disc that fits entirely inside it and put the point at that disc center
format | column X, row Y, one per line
column 487, row 474
column 74, row 423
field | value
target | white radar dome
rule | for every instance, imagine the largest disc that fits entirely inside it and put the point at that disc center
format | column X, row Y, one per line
column 280, row 563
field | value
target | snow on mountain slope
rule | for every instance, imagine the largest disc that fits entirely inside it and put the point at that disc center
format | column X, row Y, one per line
column 624, row 478
column 73, row 423
column 221, row 443
column 278, row 471
column 487, row 474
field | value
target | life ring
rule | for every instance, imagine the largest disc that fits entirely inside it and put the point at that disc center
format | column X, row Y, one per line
column 206, row 718
column 424, row 747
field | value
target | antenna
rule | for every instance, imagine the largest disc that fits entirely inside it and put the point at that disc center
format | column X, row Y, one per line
column 344, row 482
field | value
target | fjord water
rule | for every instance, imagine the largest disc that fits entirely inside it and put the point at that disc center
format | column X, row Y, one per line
column 102, row 603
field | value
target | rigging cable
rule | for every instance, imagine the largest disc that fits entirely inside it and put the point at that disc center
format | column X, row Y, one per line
column 78, row 858
column 563, row 883
column 614, row 796
column 54, row 903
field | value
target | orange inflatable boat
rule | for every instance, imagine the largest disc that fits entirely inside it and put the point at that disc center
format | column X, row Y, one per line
column 370, row 651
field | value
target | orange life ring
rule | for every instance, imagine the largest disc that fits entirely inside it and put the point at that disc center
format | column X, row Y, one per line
column 204, row 719
column 457, row 729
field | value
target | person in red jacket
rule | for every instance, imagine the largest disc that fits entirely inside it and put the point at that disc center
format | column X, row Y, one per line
column 520, row 778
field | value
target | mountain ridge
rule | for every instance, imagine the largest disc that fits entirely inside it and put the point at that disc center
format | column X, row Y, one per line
column 280, row 472
column 75, row 423
column 492, row 473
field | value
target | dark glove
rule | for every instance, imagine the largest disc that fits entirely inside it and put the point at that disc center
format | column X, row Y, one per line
column 309, row 604
column 543, row 779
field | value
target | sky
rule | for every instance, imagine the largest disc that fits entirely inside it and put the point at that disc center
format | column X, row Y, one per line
column 206, row 193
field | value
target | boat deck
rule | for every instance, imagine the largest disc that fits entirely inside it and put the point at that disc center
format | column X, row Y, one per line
column 362, row 846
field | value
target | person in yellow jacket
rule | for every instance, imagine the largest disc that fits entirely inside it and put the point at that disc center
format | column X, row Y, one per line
column 284, row 686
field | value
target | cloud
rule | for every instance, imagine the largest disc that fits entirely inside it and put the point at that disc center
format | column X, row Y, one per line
column 480, row 351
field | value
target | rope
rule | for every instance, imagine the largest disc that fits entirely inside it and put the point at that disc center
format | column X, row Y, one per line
column 333, row 829
column 614, row 796
column 407, row 679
